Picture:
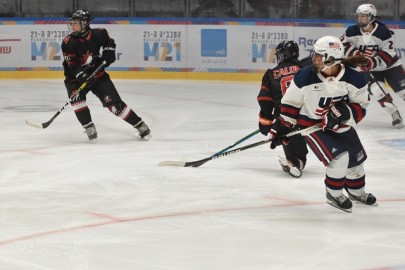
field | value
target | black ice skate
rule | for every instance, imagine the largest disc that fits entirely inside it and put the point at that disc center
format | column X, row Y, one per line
column 366, row 198
column 144, row 131
column 288, row 167
column 342, row 202
column 397, row 119
column 90, row 130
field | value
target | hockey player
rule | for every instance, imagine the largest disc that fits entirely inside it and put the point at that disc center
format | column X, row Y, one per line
column 274, row 84
column 374, row 40
column 335, row 97
column 81, row 51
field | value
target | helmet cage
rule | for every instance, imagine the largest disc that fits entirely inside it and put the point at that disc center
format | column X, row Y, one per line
column 286, row 50
column 84, row 18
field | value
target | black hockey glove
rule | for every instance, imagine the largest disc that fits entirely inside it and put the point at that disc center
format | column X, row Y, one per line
column 278, row 131
column 109, row 55
column 264, row 125
column 337, row 114
column 85, row 74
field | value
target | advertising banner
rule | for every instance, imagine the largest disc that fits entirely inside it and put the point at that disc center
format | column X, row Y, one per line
column 239, row 47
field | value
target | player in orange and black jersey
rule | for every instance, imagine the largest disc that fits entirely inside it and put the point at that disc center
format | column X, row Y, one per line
column 274, row 84
column 81, row 51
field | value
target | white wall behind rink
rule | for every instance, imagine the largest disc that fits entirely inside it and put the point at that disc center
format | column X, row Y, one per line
column 233, row 49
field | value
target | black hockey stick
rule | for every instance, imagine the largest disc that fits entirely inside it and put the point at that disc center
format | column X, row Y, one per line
column 46, row 124
column 378, row 84
column 237, row 142
column 197, row 163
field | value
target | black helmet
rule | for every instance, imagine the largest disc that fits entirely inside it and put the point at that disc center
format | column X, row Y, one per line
column 287, row 49
column 84, row 17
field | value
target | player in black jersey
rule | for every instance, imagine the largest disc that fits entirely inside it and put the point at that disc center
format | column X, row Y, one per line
column 274, row 84
column 81, row 51
column 374, row 40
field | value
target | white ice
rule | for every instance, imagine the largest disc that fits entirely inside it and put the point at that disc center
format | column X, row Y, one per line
column 68, row 204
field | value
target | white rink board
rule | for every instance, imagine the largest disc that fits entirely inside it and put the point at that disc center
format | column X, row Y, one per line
column 199, row 47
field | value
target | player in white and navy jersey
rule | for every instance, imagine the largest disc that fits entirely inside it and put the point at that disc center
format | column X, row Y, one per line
column 374, row 40
column 335, row 97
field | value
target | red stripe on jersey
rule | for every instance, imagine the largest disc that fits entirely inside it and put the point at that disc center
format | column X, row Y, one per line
column 325, row 150
column 318, row 153
column 265, row 98
column 385, row 57
column 359, row 112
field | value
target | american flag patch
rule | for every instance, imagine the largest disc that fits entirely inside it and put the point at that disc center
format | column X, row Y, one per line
column 334, row 45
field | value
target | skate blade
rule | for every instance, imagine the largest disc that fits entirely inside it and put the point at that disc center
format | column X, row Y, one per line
column 147, row 137
column 334, row 205
column 362, row 203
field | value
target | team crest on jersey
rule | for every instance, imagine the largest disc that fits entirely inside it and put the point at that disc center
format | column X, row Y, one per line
column 107, row 99
column 324, row 103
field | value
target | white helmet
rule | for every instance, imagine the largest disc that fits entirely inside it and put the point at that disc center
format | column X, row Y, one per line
column 369, row 10
column 331, row 48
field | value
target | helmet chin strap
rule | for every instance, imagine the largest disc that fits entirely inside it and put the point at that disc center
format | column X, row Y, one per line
column 325, row 67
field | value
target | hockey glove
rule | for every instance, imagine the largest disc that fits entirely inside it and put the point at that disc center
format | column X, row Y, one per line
column 264, row 125
column 368, row 66
column 85, row 74
column 109, row 55
column 337, row 114
column 278, row 131
column 78, row 97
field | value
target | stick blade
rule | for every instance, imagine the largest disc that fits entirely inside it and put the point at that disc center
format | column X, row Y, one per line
column 172, row 163
column 34, row 124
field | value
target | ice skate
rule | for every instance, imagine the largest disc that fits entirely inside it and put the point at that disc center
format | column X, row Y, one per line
column 397, row 119
column 366, row 198
column 289, row 168
column 144, row 131
column 90, row 130
column 342, row 202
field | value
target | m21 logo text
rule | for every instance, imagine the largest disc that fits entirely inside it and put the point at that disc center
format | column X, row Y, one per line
column 264, row 53
column 162, row 51
column 46, row 50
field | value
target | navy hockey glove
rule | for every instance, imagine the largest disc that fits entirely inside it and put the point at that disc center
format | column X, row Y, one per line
column 337, row 114
column 278, row 131
column 109, row 55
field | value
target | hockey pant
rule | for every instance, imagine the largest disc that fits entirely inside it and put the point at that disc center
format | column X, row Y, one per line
column 343, row 156
column 395, row 77
column 106, row 92
column 296, row 151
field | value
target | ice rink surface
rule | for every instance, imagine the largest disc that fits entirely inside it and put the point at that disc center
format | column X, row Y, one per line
column 68, row 204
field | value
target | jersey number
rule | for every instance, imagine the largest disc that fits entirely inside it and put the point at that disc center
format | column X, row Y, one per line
column 285, row 83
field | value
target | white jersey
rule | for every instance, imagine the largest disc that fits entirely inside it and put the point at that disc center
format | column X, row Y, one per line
column 311, row 95
column 378, row 44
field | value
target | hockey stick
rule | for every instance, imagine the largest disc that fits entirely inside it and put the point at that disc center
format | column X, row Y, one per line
column 378, row 84
column 197, row 163
column 46, row 124
column 237, row 142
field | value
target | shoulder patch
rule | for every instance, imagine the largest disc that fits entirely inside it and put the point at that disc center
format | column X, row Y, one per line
column 305, row 76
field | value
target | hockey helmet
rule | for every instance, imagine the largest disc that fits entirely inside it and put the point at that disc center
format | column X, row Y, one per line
column 83, row 16
column 369, row 10
column 330, row 48
column 287, row 49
